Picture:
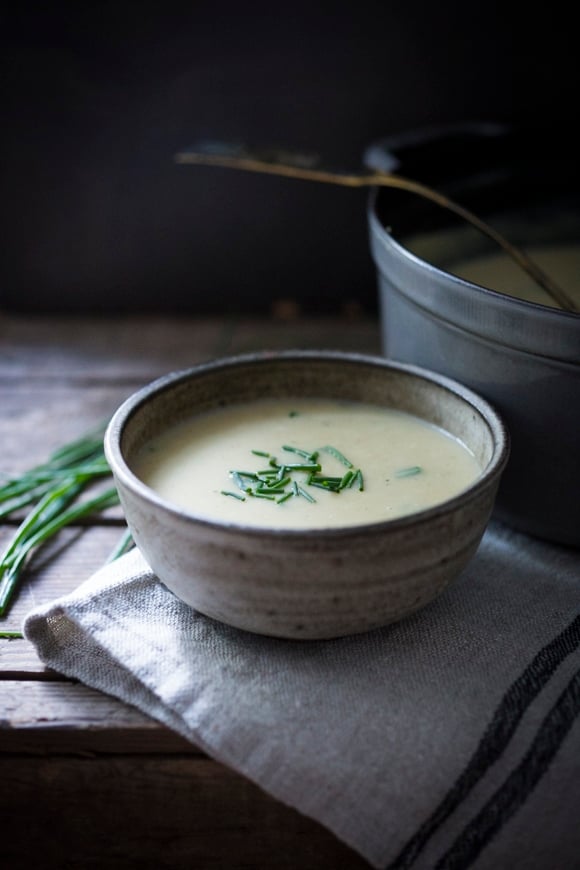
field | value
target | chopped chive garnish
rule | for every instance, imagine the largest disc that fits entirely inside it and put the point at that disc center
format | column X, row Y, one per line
column 303, row 466
column 280, row 484
column 326, row 478
column 330, row 483
column 232, row 494
column 304, row 494
column 409, row 472
column 305, row 454
column 325, row 486
column 272, row 483
column 293, row 413
column 337, row 455
column 239, row 481
column 347, row 479
column 276, row 486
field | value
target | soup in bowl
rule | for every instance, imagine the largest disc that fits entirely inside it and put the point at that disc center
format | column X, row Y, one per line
column 306, row 494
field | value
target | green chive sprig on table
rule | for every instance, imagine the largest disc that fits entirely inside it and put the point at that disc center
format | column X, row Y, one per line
column 51, row 491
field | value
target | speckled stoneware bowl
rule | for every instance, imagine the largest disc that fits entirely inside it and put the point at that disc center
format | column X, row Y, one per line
column 307, row 584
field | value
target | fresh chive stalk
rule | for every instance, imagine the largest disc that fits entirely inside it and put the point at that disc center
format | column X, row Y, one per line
column 51, row 491
column 125, row 544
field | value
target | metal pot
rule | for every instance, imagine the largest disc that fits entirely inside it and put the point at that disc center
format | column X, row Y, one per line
column 523, row 357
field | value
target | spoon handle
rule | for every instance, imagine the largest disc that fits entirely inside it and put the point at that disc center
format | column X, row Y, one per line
column 308, row 167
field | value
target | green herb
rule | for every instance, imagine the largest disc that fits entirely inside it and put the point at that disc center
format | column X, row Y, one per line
column 125, row 544
column 272, row 483
column 330, row 483
column 303, row 466
column 347, row 480
column 304, row 494
column 306, row 454
column 337, row 455
column 238, row 478
column 44, row 521
column 11, row 635
column 409, row 472
column 52, row 489
column 232, row 494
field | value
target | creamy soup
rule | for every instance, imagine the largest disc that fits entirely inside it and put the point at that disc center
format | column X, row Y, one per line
column 305, row 464
column 500, row 272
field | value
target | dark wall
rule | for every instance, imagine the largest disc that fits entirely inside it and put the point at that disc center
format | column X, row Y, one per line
column 99, row 97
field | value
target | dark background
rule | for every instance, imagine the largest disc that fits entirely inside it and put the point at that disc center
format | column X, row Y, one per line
column 97, row 99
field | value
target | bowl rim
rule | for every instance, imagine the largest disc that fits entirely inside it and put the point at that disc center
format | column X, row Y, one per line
column 131, row 405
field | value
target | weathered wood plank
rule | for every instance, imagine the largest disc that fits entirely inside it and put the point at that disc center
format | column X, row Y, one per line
column 64, row 716
column 153, row 812
column 36, row 420
column 88, row 781
column 141, row 348
column 112, row 348
column 60, row 378
column 358, row 335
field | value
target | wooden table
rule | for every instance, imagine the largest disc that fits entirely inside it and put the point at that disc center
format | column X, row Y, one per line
column 86, row 781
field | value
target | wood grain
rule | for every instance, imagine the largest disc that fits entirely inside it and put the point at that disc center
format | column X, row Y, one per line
column 151, row 812
column 87, row 780
column 64, row 716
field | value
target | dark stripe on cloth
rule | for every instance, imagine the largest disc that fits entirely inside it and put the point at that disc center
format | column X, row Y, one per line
column 519, row 784
column 496, row 736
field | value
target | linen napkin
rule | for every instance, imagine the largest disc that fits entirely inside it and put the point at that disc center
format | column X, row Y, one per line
column 448, row 740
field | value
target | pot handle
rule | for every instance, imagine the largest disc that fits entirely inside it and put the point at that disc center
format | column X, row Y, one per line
column 428, row 153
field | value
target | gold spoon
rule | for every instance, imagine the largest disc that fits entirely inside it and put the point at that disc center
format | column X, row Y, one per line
column 307, row 167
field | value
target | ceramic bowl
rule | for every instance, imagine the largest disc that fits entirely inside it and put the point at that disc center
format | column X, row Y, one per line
column 298, row 583
column 522, row 356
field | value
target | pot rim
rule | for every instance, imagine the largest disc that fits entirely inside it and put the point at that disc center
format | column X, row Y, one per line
column 506, row 320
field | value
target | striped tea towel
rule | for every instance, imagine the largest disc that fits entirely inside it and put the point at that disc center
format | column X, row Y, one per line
column 448, row 740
